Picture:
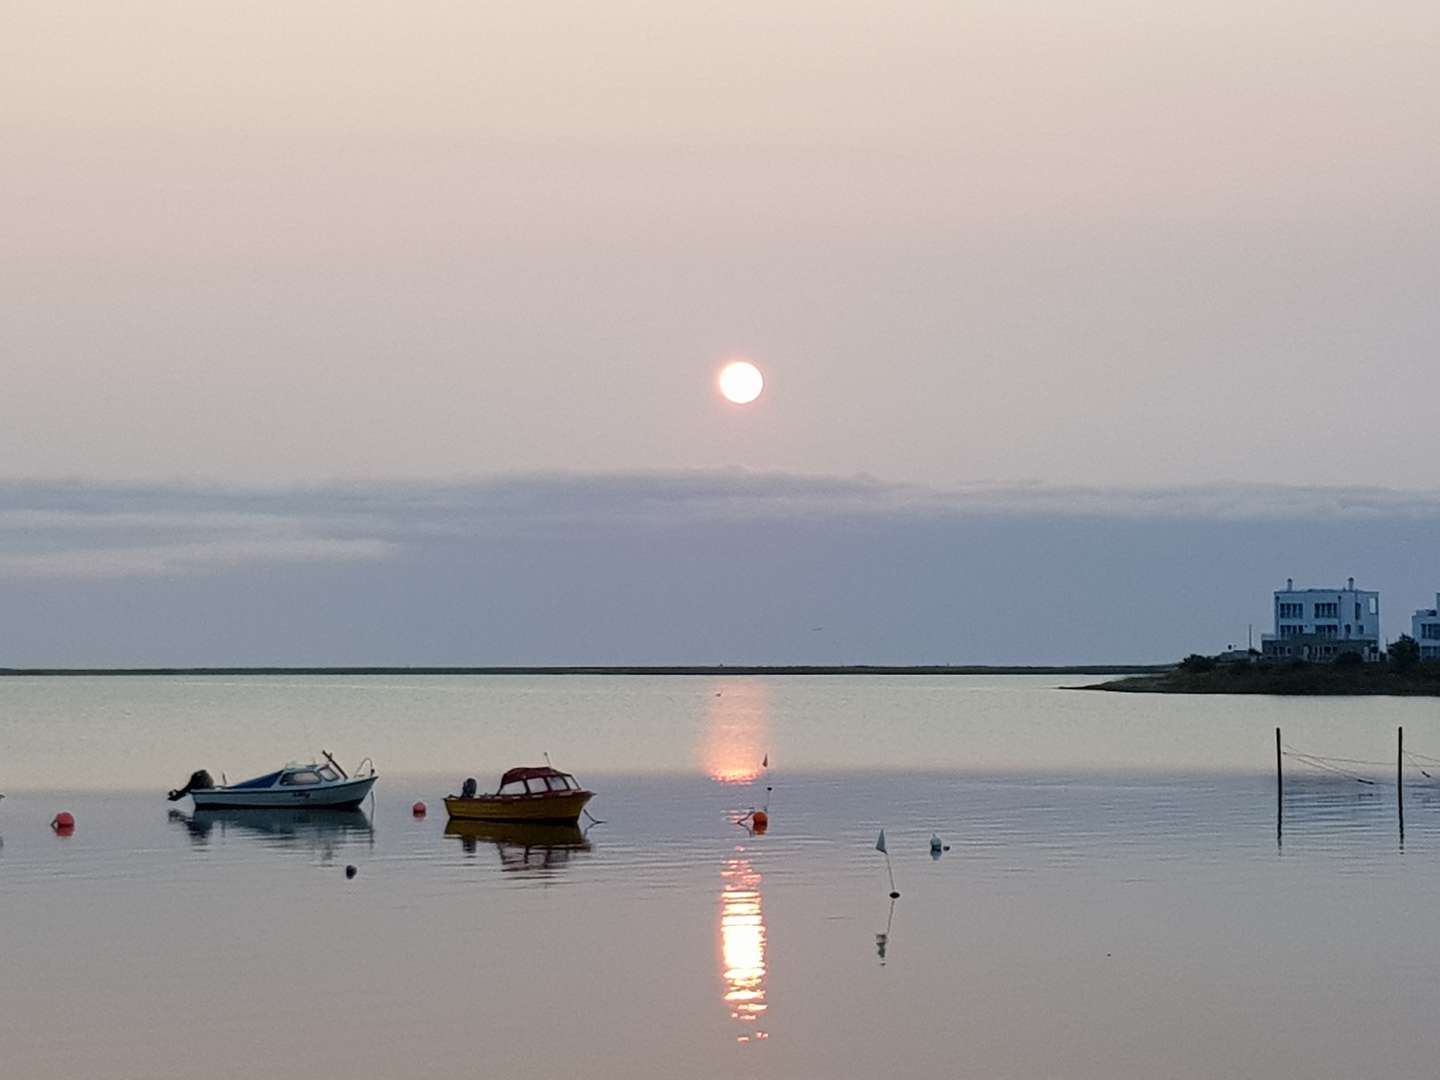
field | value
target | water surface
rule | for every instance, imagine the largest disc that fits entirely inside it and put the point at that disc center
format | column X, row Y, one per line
column 1115, row 900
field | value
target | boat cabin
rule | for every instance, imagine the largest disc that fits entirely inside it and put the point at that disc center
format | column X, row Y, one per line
column 536, row 781
column 292, row 776
column 308, row 776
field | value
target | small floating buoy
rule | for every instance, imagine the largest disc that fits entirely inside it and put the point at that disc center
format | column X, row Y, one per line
column 350, row 871
column 418, row 809
column 63, row 822
column 759, row 821
column 894, row 895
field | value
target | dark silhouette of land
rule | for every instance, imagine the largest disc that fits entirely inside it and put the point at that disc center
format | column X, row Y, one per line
column 1285, row 679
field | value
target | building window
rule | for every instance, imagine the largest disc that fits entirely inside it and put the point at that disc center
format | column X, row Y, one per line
column 1292, row 611
column 1357, row 609
column 1327, row 611
column 1291, row 631
column 1329, row 631
column 1430, row 631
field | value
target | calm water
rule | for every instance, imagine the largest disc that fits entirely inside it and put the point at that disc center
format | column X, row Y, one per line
column 1114, row 903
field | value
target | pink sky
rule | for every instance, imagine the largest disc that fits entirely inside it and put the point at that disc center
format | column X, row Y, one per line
column 1116, row 243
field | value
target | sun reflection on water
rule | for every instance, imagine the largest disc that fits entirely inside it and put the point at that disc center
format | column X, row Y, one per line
column 742, row 947
column 736, row 730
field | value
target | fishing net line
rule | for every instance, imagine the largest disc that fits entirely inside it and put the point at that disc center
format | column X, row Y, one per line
column 1419, row 770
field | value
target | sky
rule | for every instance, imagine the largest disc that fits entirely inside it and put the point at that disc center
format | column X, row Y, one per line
column 1093, row 283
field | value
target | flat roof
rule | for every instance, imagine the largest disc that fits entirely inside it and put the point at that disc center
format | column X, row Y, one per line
column 1342, row 588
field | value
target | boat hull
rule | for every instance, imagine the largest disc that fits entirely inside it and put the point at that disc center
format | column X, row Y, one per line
column 557, row 808
column 346, row 795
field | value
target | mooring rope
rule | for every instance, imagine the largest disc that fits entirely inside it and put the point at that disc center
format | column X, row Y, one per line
column 1346, row 760
column 1422, row 757
column 1315, row 761
column 1338, row 766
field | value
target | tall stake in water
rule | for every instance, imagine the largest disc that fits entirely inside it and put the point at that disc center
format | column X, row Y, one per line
column 1400, row 780
column 1279, row 795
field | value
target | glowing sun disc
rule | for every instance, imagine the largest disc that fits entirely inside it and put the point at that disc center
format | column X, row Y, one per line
column 741, row 382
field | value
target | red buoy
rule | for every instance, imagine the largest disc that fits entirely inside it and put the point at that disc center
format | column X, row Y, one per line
column 760, row 821
column 63, row 822
column 418, row 809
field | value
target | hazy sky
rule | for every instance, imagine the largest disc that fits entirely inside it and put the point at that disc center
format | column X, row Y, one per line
column 1000, row 245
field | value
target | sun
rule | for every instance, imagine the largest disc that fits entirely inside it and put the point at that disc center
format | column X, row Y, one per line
column 741, row 382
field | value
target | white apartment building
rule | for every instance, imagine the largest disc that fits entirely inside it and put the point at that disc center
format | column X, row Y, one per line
column 1425, row 629
column 1320, row 624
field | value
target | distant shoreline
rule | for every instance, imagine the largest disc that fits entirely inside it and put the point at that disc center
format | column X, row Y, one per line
column 693, row 669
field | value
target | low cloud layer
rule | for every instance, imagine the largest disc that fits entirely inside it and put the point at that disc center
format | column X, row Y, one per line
column 679, row 568
column 87, row 532
column 159, row 560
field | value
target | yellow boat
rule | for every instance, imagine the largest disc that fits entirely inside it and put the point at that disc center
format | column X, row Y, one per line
column 538, row 794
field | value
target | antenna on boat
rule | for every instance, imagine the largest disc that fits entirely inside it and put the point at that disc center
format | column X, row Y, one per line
column 546, row 755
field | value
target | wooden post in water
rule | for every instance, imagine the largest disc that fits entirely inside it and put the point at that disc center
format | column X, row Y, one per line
column 1400, row 779
column 1279, row 793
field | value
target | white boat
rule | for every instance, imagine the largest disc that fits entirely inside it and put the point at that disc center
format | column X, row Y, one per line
column 324, row 785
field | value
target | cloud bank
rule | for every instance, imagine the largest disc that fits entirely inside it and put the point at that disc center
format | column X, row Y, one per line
column 719, row 566
column 80, row 531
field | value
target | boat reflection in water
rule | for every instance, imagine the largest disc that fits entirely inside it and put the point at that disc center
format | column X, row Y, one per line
column 742, row 947
column 315, row 830
column 523, row 848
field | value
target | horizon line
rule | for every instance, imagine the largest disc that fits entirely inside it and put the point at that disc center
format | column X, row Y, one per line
column 611, row 669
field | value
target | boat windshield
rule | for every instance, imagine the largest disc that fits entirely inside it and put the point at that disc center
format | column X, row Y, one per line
column 328, row 774
column 301, row 778
column 540, row 785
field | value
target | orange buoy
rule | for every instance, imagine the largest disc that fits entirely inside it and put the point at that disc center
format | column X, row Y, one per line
column 418, row 809
column 760, row 821
column 63, row 822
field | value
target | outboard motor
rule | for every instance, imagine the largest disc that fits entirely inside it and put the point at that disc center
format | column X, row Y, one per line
column 468, row 789
column 198, row 779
